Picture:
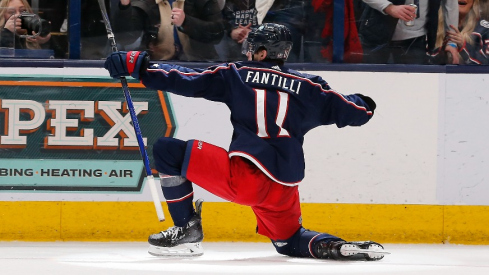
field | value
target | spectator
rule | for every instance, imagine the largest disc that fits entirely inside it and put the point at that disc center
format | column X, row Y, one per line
column 322, row 11
column 472, row 35
column 188, row 31
column 12, row 35
column 358, row 7
column 445, row 51
column 56, row 12
column 313, row 40
column 93, row 36
column 387, row 39
column 239, row 18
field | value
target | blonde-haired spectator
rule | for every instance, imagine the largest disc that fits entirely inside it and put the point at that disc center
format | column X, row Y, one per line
column 471, row 37
column 12, row 34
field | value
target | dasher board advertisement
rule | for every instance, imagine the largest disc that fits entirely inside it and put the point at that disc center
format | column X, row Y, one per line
column 76, row 134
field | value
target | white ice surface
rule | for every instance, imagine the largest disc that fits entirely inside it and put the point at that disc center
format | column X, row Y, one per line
column 231, row 258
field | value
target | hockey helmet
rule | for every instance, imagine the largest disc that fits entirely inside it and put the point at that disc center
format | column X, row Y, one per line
column 275, row 38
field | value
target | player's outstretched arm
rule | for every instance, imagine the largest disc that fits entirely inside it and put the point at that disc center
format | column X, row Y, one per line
column 168, row 77
column 122, row 63
column 348, row 110
column 206, row 83
column 336, row 108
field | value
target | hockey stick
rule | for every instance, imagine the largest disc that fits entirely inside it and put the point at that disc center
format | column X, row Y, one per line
column 149, row 175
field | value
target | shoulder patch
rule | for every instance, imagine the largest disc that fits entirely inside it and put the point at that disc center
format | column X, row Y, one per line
column 484, row 24
column 276, row 68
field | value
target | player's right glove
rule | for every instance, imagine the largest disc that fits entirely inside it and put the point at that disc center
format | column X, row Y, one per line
column 132, row 63
column 370, row 102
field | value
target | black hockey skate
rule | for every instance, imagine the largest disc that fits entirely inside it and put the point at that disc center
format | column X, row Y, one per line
column 180, row 241
column 342, row 250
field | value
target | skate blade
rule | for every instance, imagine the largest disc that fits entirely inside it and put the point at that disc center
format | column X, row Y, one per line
column 183, row 250
column 373, row 251
column 359, row 250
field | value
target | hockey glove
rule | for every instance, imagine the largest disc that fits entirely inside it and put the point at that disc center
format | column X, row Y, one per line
column 132, row 63
column 370, row 102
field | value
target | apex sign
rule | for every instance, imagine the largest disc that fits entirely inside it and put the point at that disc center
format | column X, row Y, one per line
column 68, row 123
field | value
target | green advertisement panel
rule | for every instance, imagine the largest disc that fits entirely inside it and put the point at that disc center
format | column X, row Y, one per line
column 76, row 133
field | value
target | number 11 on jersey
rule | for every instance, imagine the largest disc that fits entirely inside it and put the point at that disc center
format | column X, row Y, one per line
column 261, row 114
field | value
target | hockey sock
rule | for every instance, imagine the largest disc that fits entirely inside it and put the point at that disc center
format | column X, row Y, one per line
column 168, row 154
column 179, row 199
column 301, row 244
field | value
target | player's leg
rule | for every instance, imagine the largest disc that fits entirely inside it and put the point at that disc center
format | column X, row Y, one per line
column 279, row 218
column 183, row 239
column 168, row 154
column 202, row 163
column 302, row 243
column 312, row 244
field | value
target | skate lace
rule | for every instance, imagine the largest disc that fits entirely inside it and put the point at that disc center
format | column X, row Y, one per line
column 172, row 232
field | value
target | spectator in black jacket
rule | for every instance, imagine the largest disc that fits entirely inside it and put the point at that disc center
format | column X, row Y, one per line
column 171, row 30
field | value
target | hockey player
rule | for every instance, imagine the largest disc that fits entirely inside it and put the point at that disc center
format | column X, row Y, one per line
column 272, row 108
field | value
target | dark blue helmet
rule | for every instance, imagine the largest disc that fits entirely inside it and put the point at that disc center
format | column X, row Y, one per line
column 275, row 38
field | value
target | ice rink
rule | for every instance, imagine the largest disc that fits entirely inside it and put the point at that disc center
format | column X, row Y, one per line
column 230, row 258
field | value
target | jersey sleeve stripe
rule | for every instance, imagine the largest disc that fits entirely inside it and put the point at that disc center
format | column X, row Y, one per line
column 190, row 73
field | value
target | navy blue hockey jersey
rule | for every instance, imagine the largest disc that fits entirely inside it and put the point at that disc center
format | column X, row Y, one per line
column 478, row 51
column 272, row 108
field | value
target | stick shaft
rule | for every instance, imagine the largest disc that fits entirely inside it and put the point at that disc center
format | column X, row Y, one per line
column 144, row 155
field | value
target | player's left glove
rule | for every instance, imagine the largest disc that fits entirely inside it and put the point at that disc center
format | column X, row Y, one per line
column 370, row 102
column 132, row 63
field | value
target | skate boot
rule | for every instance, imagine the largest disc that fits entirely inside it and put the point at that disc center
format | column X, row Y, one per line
column 180, row 241
column 342, row 250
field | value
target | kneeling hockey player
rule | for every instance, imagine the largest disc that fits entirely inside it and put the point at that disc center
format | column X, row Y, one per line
column 272, row 108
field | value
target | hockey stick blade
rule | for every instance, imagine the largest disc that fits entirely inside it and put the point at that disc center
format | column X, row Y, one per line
column 144, row 155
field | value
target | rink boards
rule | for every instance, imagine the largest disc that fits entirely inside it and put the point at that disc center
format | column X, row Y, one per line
column 223, row 221
column 416, row 173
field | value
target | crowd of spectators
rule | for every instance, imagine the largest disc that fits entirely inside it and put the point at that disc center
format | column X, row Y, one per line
column 375, row 31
